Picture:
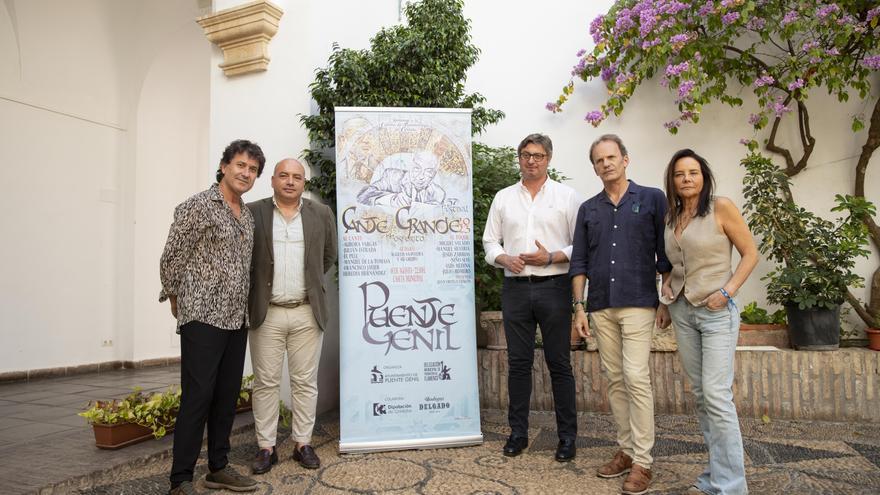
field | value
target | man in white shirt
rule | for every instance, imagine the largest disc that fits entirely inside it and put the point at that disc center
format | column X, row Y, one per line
column 529, row 233
column 294, row 246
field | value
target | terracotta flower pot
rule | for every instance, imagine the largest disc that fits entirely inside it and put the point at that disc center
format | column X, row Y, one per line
column 873, row 338
column 763, row 335
column 120, row 435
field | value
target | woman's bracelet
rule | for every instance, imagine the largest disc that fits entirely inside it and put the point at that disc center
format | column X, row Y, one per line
column 725, row 293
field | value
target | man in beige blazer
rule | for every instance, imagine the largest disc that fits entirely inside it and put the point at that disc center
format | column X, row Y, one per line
column 294, row 246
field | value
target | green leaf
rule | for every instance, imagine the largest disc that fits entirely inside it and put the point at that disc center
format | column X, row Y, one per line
column 857, row 125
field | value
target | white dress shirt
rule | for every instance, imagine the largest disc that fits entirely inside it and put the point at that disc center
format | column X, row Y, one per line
column 516, row 221
column 289, row 278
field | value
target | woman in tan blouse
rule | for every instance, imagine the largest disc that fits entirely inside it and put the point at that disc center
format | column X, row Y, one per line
column 700, row 231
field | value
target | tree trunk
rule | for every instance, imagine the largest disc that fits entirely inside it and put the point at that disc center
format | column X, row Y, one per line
column 871, row 315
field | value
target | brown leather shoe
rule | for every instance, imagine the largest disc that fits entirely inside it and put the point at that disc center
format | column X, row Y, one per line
column 306, row 457
column 264, row 460
column 620, row 465
column 638, row 481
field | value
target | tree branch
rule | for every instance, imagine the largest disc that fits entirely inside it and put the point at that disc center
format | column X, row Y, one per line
column 754, row 59
column 807, row 140
column 871, row 145
column 857, row 305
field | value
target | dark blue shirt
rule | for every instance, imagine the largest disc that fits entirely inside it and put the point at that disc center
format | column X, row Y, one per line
column 620, row 248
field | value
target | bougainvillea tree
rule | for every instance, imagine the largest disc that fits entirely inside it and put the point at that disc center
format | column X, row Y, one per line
column 782, row 51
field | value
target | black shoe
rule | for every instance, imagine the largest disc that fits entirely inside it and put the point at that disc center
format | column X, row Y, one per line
column 515, row 445
column 264, row 460
column 306, row 457
column 566, row 450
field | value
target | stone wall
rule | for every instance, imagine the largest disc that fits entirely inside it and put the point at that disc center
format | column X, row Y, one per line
column 841, row 385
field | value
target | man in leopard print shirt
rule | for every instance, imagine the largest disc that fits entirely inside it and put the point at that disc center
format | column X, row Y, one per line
column 205, row 273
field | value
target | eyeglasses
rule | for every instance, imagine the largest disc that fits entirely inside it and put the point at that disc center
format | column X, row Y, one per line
column 525, row 156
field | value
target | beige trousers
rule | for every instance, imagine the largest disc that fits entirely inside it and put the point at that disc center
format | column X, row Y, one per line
column 295, row 331
column 624, row 339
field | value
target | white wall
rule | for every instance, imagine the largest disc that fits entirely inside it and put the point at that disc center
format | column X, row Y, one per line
column 171, row 156
column 69, row 96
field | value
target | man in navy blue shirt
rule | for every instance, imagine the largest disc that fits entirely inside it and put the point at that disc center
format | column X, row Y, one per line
column 618, row 245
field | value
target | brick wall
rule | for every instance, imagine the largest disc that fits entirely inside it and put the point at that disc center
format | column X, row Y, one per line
column 841, row 385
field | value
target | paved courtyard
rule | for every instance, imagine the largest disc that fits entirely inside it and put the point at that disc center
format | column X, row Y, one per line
column 781, row 456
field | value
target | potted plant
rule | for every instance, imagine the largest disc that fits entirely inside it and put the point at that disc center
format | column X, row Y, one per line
column 759, row 327
column 245, row 395
column 133, row 419
column 815, row 257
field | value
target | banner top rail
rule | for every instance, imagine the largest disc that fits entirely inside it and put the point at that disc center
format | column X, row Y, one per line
column 398, row 109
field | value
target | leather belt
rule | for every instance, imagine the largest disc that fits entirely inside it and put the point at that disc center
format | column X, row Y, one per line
column 291, row 305
column 533, row 279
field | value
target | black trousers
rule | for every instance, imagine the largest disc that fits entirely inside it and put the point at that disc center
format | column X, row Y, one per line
column 524, row 305
column 211, row 364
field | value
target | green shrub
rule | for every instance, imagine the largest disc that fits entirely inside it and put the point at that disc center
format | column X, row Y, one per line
column 815, row 257
column 753, row 314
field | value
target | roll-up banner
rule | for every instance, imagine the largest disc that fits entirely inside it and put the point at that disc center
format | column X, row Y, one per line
column 408, row 353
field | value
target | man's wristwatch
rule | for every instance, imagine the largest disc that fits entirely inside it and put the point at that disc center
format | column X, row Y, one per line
column 582, row 303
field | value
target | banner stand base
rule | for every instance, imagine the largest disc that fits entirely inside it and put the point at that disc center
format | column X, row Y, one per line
column 417, row 443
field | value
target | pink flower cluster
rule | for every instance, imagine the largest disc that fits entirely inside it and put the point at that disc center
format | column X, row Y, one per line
column 624, row 21
column 872, row 62
column 684, row 90
column 764, row 80
column 756, row 23
column 674, row 70
column 827, row 10
column 729, row 18
column 796, row 84
column 778, row 107
column 595, row 117
column 809, row 45
column 789, row 17
column 596, row 29
column 706, row 9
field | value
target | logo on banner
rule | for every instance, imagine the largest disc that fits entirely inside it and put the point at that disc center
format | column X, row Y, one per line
column 392, row 373
column 437, row 371
column 391, row 405
column 434, row 404
column 426, row 324
column 376, row 376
